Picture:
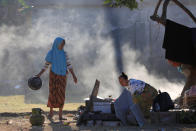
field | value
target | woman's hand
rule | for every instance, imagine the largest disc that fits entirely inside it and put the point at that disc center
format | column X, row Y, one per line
column 38, row 75
column 75, row 79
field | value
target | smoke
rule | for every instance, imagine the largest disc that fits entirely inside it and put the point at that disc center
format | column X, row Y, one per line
column 92, row 51
column 136, row 70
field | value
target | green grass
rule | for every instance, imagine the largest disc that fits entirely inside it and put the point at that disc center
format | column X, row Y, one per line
column 16, row 104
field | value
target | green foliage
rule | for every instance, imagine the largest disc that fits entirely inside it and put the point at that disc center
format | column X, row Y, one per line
column 131, row 4
column 22, row 2
column 7, row 2
column 3, row 2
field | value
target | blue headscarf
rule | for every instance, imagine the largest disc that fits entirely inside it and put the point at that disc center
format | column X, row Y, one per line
column 57, row 58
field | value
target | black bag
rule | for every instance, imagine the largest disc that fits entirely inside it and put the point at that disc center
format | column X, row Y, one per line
column 162, row 102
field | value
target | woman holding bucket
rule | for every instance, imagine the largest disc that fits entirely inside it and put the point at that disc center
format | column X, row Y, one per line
column 60, row 64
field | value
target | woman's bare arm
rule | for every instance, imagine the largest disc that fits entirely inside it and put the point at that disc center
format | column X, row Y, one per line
column 73, row 75
column 43, row 69
column 40, row 73
column 69, row 67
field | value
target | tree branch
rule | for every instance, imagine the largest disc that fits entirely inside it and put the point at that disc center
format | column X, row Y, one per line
column 163, row 18
column 164, row 11
column 158, row 19
column 157, row 7
column 185, row 9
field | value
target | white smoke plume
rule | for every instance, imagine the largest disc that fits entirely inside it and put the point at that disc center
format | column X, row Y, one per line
column 92, row 52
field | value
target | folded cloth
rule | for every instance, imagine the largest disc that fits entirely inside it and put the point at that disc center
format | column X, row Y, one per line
column 178, row 43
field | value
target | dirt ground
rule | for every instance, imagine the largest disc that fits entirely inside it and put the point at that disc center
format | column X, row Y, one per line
column 20, row 122
column 17, row 119
column 17, row 104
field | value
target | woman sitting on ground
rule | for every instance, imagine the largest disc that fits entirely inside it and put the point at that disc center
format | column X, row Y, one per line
column 142, row 93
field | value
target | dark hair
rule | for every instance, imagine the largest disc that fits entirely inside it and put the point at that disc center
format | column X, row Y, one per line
column 124, row 76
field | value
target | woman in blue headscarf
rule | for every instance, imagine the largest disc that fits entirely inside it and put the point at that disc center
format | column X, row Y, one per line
column 60, row 64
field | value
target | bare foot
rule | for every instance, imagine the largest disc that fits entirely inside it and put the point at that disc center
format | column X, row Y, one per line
column 50, row 116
